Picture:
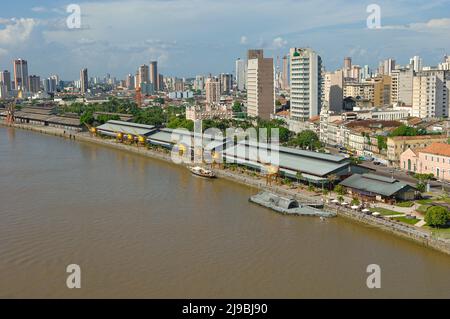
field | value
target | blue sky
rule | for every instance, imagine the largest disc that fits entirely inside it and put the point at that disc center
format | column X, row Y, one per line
column 190, row 37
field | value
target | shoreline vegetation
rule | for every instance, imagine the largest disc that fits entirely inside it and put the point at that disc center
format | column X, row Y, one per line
column 420, row 236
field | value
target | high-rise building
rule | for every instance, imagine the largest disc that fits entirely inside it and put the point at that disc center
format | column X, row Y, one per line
column 306, row 83
column 431, row 94
column 416, row 63
column 334, row 90
column 5, row 78
column 347, row 67
column 241, row 74
column 161, row 82
column 199, row 82
column 144, row 74
column 84, row 79
column 365, row 73
column 260, row 85
column 388, row 66
column 154, row 75
column 212, row 88
column 21, row 75
column 129, row 82
column 255, row 54
column 402, row 86
column 35, row 83
column 445, row 65
column 3, row 91
column 285, row 73
column 50, row 85
column 226, row 83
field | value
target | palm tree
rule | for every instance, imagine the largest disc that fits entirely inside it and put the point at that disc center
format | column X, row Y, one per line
column 331, row 179
column 299, row 176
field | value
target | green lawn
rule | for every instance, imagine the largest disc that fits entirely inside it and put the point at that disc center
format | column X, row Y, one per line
column 423, row 208
column 405, row 204
column 406, row 220
column 425, row 201
column 384, row 211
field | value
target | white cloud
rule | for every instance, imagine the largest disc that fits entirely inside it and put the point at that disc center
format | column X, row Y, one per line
column 429, row 26
column 243, row 40
column 16, row 31
column 39, row 9
column 279, row 43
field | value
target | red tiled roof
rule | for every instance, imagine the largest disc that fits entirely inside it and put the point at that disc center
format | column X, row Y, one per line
column 442, row 149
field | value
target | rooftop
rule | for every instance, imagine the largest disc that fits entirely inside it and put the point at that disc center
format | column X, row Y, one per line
column 418, row 137
column 375, row 184
column 442, row 149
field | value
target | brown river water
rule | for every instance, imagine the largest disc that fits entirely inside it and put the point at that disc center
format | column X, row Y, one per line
column 142, row 228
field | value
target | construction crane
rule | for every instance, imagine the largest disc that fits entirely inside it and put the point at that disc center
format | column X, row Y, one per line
column 91, row 129
column 10, row 113
column 139, row 96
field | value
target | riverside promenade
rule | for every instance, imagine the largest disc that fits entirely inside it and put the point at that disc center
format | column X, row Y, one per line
column 420, row 236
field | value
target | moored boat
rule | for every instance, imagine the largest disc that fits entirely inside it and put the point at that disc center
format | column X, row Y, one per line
column 203, row 172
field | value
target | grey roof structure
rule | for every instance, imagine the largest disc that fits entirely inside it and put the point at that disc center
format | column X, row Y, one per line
column 292, row 160
column 114, row 127
column 375, row 184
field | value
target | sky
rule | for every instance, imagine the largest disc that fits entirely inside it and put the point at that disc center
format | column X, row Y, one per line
column 190, row 37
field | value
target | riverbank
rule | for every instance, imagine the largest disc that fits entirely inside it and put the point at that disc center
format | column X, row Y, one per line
column 409, row 232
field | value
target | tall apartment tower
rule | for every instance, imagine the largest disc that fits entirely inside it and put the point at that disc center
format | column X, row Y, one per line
column 5, row 78
column 144, row 75
column 334, row 90
column 255, row 54
column 402, row 86
column 154, row 75
column 212, row 88
column 416, row 63
column 84, row 80
column 306, row 83
column 226, row 83
column 35, row 83
column 285, row 73
column 260, row 85
column 241, row 74
column 21, row 75
column 431, row 94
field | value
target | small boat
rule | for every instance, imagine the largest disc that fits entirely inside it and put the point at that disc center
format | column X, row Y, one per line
column 203, row 172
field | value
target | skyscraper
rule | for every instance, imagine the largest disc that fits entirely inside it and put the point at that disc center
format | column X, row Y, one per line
column 21, row 74
column 5, row 78
column 35, row 83
column 129, row 82
column 241, row 74
column 144, row 75
column 84, row 80
column 226, row 83
column 260, row 85
column 154, row 75
column 285, row 73
column 212, row 88
column 431, row 94
column 306, row 83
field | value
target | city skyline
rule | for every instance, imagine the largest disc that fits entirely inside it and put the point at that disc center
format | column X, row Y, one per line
column 196, row 37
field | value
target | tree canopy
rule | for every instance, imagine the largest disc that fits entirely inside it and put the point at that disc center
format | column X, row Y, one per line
column 437, row 216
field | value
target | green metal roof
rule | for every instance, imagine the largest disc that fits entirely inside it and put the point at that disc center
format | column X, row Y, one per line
column 375, row 184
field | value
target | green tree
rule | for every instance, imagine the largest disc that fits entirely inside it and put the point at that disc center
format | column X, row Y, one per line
column 437, row 216
column 355, row 202
column 339, row 189
column 237, row 107
column 306, row 139
column 421, row 187
column 381, row 142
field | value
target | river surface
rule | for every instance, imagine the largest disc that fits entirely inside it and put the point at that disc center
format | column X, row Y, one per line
column 142, row 228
